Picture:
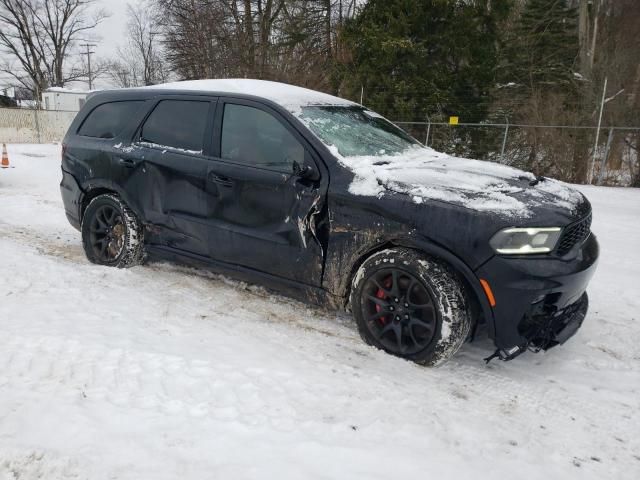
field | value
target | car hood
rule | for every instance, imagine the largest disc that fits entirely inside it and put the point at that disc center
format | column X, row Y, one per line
column 424, row 174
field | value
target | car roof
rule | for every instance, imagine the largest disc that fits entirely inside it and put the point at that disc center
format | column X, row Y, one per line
column 288, row 96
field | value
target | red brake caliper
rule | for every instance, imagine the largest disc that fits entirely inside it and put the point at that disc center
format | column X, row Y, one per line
column 380, row 294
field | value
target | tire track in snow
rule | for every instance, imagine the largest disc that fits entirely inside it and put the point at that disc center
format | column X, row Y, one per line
column 45, row 244
column 178, row 386
column 67, row 370
column 285, row 310
column 550, row 403
column 555, row 408
column 175, row 384
column 35, row 464
column 170, row 384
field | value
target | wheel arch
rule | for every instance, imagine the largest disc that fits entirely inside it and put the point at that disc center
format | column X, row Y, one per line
column 477, row 297
column 93, row 189
column 90, row 195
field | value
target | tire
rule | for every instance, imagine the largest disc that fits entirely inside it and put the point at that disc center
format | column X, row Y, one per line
column 410, row 306
column 112, row 235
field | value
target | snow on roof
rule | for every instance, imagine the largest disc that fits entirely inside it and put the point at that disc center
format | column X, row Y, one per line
column 68, row 90
column 289, row 96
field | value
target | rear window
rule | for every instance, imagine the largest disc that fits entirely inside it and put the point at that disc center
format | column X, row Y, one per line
column 108, row 119
column 178, row 124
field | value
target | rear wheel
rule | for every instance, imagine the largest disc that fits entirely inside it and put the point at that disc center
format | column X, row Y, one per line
column 111, row 233
column 410, row 306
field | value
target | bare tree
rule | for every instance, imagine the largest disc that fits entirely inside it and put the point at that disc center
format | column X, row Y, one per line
column 123, row 72
column 287, row 40
column 19, row 37
column 39, row 35
column 140, row 60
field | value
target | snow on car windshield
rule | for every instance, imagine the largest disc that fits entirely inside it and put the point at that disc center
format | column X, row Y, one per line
column 355, row 131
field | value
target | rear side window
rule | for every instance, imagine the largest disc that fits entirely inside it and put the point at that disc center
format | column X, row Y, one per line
column 108, row 119
column 177, row 124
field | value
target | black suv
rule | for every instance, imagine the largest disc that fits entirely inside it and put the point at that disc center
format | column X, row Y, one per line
column 321, row 199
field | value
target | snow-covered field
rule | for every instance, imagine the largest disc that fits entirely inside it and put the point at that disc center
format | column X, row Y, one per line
column 165, row 372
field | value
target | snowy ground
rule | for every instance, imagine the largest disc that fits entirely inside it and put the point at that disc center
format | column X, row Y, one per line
column 164, row 372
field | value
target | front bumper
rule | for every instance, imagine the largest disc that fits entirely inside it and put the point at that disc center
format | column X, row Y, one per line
column 541, row 300
column 546, row 326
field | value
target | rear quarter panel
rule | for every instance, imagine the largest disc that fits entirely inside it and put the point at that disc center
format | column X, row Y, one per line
column 88, row 159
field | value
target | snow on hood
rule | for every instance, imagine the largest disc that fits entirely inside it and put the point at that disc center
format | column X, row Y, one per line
column 424, row 173
column 288, row 96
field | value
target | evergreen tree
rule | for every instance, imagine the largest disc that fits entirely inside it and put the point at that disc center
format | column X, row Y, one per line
column 424, row 57
column 543, row 48
column 539, row 85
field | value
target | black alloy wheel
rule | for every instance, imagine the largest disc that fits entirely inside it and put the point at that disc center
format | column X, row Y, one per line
column 112, row 235
column 107, row 231
column 399, row 311
column 410, row 305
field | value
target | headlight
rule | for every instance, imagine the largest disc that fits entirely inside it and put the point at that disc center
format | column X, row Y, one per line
column 518, row 241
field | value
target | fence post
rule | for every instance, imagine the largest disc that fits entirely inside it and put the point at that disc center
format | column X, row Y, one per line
column 37, row 122
column 595, row 145
column 605, row 156
column 504, row 140
column 426, row 142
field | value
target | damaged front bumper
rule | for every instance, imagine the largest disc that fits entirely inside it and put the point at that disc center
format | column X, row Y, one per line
column 545, row 327
column 540, row 302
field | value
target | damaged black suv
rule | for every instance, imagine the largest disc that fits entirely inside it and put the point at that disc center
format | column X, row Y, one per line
column 321, row 199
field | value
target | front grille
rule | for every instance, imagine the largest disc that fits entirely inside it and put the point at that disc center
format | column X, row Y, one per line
column 574, row 234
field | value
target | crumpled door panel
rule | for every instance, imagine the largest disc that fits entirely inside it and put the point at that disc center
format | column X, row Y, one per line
column 170, row 188
column 264, row 220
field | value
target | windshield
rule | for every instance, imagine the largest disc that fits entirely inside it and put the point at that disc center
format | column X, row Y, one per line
column 355, row 131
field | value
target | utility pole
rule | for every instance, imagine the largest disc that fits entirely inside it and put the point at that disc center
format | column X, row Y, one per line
column 88, row 54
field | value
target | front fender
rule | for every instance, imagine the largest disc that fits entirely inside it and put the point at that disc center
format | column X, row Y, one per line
column 350, row 245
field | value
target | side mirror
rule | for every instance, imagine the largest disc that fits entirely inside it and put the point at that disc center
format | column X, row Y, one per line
column 307, row 171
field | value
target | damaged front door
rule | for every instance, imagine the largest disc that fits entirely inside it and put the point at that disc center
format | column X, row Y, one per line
column 267, row 211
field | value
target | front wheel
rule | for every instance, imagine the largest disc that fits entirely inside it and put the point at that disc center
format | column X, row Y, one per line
column 410, row 306
column 111, row 233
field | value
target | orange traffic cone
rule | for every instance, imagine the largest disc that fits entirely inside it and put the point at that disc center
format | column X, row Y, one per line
column 5, row 156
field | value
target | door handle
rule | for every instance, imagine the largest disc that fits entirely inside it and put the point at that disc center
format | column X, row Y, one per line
column 221, row 180
column 127, row 162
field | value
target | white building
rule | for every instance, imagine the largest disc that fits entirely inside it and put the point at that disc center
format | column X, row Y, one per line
column 56, row 98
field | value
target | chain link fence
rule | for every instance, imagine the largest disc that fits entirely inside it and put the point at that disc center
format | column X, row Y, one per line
column 21, row 125
column 560, row 151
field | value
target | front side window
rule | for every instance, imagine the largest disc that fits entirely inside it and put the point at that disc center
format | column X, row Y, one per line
column 253, row 137
column 108, row 119
column 177, row 124
column 355, row 131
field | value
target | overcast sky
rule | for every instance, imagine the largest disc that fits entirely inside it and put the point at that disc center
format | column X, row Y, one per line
column 110, row 33
column 112, row 29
